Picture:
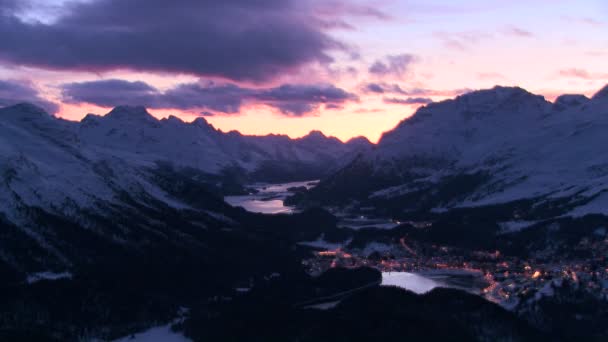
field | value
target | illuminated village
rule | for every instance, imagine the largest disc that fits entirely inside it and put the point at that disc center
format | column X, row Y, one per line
column 505, row 280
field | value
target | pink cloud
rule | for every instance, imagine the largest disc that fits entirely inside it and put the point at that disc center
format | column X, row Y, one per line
column 583, row 74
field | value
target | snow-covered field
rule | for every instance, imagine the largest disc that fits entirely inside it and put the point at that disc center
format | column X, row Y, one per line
column 47, row 275
column 157, row 334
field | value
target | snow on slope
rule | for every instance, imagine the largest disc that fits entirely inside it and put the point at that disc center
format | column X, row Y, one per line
column 158, row 334
column 57, row 164
column 45, row 163
column 529, row 147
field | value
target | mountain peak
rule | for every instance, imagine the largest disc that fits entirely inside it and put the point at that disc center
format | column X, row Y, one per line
column 173, row 120
column 569, row 100
column 25, row 109
column 602, row 94
column 131, row 113
column 498, row 93
column 315, row 134
column 500, row 100
column 359, row 141
column 201, row 122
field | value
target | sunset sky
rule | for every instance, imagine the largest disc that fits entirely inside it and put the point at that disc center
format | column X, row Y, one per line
column 345, row 67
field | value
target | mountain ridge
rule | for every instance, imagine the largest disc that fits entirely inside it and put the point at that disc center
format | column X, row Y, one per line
column 516, row 144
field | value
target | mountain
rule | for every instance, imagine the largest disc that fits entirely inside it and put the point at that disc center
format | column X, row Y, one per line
column 114, row 224
column 486, row 148
column 126, row 175
column 138, row 136
column 105, row 230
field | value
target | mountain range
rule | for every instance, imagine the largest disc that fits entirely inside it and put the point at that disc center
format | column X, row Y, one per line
column 486, row 148
column 124, row 212
column 74, row 191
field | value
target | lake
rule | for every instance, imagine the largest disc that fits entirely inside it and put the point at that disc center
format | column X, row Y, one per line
column 269, row 198
column 424, row 282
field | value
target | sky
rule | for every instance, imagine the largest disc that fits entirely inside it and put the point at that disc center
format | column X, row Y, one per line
column 345, row 67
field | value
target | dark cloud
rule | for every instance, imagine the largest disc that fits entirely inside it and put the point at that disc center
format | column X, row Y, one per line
column 225, row 98
column 13, row 92
column 108, row 93
column 301, row 99
column 386, row 88
column 375, row 88
column 252, row 40
column 396, row 65
column 291, row 100
column 408, row 101
column 382, row 88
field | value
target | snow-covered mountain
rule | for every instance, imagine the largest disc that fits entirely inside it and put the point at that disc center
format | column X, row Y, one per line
column 488, row 147
column 136, row 134
column 125, row 183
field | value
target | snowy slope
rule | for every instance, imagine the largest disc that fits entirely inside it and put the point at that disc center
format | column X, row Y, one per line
column 71, row 192
column 524, row 146
column 54, row 164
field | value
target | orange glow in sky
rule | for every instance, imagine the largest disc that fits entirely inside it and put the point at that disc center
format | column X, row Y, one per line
column 546, row 47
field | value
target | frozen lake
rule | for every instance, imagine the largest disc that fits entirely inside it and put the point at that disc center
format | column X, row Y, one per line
column 409, row 281
column 424, row 282
column 269, row 198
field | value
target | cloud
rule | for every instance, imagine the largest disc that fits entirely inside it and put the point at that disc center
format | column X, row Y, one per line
column 420, row 92
column 336, row 8
column 289, row 99
column 586, row 21
column 301, row 99
column 583, row 74
column 517, row 32
column 242, row 40
column 394, row 65
column 408, row 101
column 225, row 98
column 14, row 92
column 337, row 14
column 461, row 40
column 333, row 106
column 386, row 88
column 108, row 93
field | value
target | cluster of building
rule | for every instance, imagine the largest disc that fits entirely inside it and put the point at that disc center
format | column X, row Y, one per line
column 509, row 280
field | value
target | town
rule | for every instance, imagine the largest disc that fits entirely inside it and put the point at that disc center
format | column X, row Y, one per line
column 505, row 280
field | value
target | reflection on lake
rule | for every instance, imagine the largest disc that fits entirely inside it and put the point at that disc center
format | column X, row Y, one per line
column 424, row 282
column 409, row 281
column 269, row 197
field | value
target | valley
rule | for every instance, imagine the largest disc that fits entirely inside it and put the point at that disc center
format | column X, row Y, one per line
column 112, row 226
